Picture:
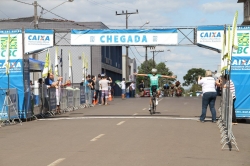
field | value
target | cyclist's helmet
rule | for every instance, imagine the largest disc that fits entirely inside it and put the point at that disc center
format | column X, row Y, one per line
column 154, row 70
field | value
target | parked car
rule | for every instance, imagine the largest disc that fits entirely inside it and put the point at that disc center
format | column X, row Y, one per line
column 146, row 92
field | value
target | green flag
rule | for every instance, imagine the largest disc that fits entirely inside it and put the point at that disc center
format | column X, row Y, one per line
column 119, row 83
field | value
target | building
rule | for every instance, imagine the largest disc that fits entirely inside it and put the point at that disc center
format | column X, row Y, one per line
column 246, row 10
column 132, row 67
column 101, row 59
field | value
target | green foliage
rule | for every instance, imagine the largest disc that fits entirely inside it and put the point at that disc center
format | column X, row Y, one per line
column 195, row 87
column 192, row 76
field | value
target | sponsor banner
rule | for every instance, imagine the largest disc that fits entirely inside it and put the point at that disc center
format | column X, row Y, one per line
column 16, row 80
column 16, row 67
column 124, row 37
column 82, row 94
column 240, row 64
column 15, row 44
column 37, row 39
column 240, row 73
column 210, row 36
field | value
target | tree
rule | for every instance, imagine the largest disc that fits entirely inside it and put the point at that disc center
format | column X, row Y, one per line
column 192, row 76
column 146, row 68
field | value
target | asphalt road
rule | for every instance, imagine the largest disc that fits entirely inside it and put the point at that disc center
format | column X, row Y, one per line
column 124, row 134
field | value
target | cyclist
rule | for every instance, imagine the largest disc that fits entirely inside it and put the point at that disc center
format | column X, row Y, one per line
column 154, row 77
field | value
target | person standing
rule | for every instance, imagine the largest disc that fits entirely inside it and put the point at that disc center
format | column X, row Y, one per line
column 92, row 80
column 98, row 92
column 209, row 95
column 141, row 88
column 229, row 84
column 87, row 91
column 123, row 87
column 132, row 85
column 103, row 83
column 58, row 95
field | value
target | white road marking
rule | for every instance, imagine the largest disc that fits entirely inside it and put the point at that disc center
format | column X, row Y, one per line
column 119, row 117
column 160, row 99
column 120, row 123
column 144, row 109
column 96, row 138
column 56, row 162
column 135, row 114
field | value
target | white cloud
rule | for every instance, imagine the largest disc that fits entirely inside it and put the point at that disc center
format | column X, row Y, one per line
column 227, row 6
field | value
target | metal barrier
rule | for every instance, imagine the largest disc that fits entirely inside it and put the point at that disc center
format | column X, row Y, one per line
column 9, row 106
column 70, row 99
column 63, row 100
column 44, row 102
column 76, row 98
column 225, row 120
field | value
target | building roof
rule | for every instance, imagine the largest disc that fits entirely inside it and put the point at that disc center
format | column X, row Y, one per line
column 43, row 23
column 240, row 1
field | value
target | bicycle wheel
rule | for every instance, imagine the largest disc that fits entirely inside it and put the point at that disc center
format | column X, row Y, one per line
column 154, row 106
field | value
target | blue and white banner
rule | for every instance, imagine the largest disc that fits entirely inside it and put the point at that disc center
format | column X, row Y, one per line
column 240, row 72
column 16, row 80
column 210, row 36
column 121, row 37
column 37, row 39
column 82, row 94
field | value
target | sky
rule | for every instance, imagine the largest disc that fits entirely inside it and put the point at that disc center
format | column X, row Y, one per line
column 159, row 14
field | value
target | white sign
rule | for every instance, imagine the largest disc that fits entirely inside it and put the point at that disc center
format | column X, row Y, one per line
column 124, row 37
column 210, row 36
column 15, row 44
column 37, row 39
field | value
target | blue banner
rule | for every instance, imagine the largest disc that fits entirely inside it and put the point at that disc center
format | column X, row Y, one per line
column 240, row 74
column 82, row 94
column 16, row 80
column 52, row 98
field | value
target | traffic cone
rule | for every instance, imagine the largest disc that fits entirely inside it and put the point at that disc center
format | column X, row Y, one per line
column 110, row 97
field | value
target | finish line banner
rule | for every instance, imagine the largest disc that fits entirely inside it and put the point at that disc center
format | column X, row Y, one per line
column 121, row 37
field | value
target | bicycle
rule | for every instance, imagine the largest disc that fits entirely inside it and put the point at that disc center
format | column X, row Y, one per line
column 153, row 101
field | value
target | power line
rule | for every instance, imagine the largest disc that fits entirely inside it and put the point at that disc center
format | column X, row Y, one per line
column 135, row 56
column 4, row 13
column 138, row 52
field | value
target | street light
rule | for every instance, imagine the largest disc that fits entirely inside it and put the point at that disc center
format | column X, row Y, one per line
column 147, row 22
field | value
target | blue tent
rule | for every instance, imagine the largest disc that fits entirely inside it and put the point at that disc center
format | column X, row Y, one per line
column 36, row 65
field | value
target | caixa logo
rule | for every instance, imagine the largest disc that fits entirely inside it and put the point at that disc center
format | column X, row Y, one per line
column 210, row 34
column 241, row 62
column 39, row 38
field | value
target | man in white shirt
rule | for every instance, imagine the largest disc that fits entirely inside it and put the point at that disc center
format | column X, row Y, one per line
column 123, row 88
column 132, row 85
column 103, row 83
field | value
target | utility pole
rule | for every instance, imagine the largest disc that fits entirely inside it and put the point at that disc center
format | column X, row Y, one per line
column 35, row 15
column 35, row 56
column 154, row 56
column 125, row 58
